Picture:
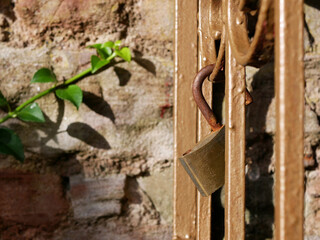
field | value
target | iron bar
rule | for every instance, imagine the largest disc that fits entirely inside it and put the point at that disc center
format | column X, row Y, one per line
column 289, row 76
column 185, row 117
column 235, row 149
column 206, row 55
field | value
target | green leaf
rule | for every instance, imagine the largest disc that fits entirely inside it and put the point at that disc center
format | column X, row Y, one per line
column 72, row 93
column 117, row 44
column 3, row 100
column 44, row 75
column 97, row 46
column 94, row 60
column 124, row 53
column 109, row 44
column 10, row 144
column 102, row 53
column 97, row 63
column 107, row 50
column 31, row 113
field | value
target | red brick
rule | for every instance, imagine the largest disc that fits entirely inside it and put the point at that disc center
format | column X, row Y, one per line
column 31, row 199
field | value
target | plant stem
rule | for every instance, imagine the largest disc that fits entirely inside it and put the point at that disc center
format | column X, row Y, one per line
column 45, row 92
column 5, row 118
column 8, row 106
column 77, row 77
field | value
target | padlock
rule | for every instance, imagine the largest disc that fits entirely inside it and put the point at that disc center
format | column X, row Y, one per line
column 205, row 162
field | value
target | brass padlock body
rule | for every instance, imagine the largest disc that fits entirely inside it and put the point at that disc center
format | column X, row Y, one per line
column 205, row 163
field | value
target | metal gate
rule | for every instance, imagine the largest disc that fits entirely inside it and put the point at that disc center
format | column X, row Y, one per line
column 200, row 26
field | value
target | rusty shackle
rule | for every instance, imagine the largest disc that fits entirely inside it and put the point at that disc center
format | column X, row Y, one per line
column 199, row 98
column 202, row 103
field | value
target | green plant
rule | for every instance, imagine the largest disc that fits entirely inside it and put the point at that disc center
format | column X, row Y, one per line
column 29, row 111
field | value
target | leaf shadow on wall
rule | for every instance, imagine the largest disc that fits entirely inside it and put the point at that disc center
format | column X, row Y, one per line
column 98, row 105
column 144, row 63
column 123, row 75
column 87, row 134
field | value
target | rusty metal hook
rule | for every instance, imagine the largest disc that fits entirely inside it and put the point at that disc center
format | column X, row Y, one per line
column 202, row 103
column 199, row 98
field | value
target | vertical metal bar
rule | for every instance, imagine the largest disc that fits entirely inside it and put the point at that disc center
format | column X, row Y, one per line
column 289, row 75
column 206, row 55
column 235, row 149
column 185, row 117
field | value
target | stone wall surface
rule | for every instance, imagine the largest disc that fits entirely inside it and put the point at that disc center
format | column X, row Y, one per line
column 105, row 171
column 94, row 173
column 312, row 116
